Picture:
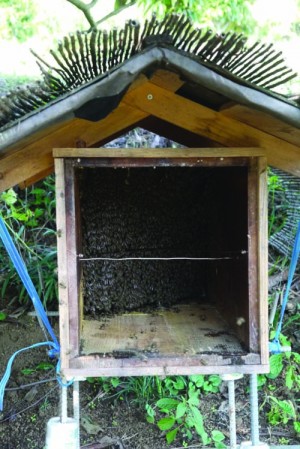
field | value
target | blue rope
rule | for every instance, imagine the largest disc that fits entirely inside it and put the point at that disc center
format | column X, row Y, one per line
column 23, row 273
column 7, row 373
column 274, row 345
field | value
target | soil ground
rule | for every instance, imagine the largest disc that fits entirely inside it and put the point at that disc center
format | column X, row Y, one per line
column 114, row 423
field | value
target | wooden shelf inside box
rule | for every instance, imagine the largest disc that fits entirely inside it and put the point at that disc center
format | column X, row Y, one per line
column 184, row 330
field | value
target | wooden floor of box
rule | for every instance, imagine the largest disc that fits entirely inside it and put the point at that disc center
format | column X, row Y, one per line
column 187, row 329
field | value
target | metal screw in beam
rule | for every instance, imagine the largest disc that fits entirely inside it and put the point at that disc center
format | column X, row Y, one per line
column 230, row 379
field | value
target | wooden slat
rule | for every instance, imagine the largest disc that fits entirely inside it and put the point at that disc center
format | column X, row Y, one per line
column 147, row 153
column 264, row 122
column 253, row 256
column 36, row 158
column 214, row 125
column 167, row 80
column 90, row 369
column 162, row 78
column 37, row 177
column 62, row 263
column 72, row 227
column 263, row 259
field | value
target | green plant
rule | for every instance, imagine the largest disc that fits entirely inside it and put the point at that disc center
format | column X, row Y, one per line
column 277, row 203
column 182, row 412
column 182, row 415
column 30, row 218
column 33, row 418
column 218, row 438
column 281, row 411
column 18, row 16
column 43, row 366
column 284, row 368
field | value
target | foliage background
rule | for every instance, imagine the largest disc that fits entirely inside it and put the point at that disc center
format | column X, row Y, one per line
column 38, row 24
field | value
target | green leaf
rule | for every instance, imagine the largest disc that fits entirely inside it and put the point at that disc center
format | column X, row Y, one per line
column 276, row 366
column 115, row 381
column 288, row 408
column 296, row 357
column 44, row 366
column 289, row 377
column 150, row 419
column 167, row 404
column 166, row 423
column 215, row 380
column 9, row 197
column 179, row 383
column 181, row 410
column 170, row 436
column 197, row 420
column 193, row 398
column 297, row 426
column 3, row 316
column 217, row 436
column 27, row 371
column 198, row 380
column 150, row 413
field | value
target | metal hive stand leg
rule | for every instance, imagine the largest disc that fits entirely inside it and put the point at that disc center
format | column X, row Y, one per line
column 254, row 443
column 230, row 379
column 76, row 410
column 63, row 431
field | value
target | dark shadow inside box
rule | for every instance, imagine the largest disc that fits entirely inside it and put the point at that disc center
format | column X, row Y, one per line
column 153, row 238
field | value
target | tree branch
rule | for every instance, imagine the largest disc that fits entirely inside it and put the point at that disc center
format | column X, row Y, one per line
column 115, row 12
column 85, row 8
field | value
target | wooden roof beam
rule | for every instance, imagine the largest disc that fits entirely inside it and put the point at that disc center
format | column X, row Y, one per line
column 35, row 159
column 201, row 120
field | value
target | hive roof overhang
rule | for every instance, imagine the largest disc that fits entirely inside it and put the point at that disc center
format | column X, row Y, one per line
column 197, row 83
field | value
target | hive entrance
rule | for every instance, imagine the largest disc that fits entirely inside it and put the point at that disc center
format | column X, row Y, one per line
column 162, row 251
column 154, row 240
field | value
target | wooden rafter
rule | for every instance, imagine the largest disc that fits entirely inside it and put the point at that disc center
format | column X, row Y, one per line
column 214, row 125
column 263, row 121
column 34, row 159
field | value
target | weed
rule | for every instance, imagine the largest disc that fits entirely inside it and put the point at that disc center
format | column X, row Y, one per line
column 285, row 367
column 43, row 366
column 277, row 203
column 33, row 418
column 181, row 409
column 30, row 217
column 281, row 411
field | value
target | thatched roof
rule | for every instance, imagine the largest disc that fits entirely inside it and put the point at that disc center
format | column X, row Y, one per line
column 95, row 74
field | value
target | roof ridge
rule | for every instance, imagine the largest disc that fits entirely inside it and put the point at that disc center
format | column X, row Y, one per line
column 83, row 56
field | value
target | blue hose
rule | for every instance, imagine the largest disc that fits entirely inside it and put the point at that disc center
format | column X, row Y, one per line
column 23, row 273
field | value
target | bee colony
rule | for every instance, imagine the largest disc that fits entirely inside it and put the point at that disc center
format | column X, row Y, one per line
column 162, row 261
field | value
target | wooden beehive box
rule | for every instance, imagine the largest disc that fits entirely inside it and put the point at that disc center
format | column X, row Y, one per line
column 162, row 259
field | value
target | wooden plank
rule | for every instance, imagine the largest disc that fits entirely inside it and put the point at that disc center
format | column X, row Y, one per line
column 186, row 329
column 37, row 177
column 163, row 78
column 62, row 264
column 174, row 153
column 263, row 121
column 88, row 368
column 167, row 80
column 253, row 256
column 214, row 125
column 72, row 219
column 263, row 258
column 36, row 158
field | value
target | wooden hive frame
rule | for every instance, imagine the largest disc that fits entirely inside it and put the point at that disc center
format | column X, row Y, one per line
column 79, row 363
